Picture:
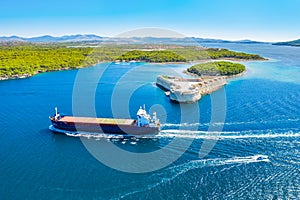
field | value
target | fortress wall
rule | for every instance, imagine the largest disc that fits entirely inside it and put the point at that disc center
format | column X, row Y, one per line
column 186, row 94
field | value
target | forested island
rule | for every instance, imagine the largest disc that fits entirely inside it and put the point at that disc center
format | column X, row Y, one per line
column 18, row 61
column 220, row 68
column 295, row 43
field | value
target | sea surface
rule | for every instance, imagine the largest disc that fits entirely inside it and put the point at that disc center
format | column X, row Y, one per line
column 254, row 154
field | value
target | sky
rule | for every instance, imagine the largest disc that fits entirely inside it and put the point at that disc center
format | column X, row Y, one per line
column 260, row 20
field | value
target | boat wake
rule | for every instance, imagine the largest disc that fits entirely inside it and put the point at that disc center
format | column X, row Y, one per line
column 175, row 171
column 226, row 134
column 172, row 125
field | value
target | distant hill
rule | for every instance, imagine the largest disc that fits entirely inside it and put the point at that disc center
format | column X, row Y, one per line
column 49, row 38
column 113, row 40
column 295, row 43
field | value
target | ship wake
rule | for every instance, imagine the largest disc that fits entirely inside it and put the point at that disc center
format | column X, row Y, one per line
column 177, row 170
column 190, row 134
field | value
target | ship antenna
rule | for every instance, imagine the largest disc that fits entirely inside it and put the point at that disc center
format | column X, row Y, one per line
column 144, row 107
column 56, row 113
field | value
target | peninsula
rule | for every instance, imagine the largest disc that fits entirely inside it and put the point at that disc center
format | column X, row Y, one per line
column 27, row 59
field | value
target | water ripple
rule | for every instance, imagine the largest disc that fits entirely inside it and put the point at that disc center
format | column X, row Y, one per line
column 181, row 169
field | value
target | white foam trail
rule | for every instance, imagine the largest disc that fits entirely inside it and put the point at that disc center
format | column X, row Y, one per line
column 97, row 136
column 248, row 159
column 230, row 123
column 192, row 132
column 182, row 125
column 221, row 161
column 276, row 135
column 87, row 134
column 177, row 170
column 189, row 134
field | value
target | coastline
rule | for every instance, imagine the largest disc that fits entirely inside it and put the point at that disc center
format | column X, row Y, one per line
column 237, row 75
column 22, row 76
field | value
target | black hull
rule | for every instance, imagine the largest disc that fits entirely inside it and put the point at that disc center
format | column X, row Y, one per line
column 107, row 129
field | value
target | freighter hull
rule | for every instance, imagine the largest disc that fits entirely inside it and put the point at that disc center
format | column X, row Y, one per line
column 102, row 125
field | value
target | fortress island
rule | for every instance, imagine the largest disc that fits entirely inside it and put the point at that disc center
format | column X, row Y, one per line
column 210, row 76
column 189, row 90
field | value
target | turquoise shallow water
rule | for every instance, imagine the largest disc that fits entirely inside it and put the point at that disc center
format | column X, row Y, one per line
column 262, row 118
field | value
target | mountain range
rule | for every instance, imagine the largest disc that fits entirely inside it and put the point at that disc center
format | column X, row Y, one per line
column 49, row 38
column 133, row 40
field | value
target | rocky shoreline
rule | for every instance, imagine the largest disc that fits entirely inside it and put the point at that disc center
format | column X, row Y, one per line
column 22, row 76
column 3, row 78
column 189, row 90
column 227, row 77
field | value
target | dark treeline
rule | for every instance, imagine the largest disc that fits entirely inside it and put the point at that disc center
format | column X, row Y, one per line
column 152, row 56
column 195, row 54
column 295, row 43
column 186, row 54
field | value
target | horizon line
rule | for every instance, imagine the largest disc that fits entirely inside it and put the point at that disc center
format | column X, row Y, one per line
column 105, row 36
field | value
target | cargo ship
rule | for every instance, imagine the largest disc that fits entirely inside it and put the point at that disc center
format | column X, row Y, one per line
column 143, row 125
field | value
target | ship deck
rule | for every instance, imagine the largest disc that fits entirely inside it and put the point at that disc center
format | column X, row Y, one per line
column 90, row 120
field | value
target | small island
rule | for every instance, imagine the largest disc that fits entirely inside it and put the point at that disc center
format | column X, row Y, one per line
column 219, row 68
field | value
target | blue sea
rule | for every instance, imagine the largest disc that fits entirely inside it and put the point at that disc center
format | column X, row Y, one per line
column 241, row 142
